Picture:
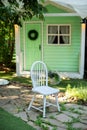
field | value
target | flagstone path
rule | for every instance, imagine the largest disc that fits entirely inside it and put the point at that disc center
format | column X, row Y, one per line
column 15, row 98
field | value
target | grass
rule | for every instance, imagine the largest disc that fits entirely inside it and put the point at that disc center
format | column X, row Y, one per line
column 72, row 87
column 10, row 122
column 70, row 124
column 44, row 124
column 11, row 76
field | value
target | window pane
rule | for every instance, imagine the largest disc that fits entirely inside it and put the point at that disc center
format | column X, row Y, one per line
column 53, row 39
column 52, row 30
column 64, row 29
column 64, row 39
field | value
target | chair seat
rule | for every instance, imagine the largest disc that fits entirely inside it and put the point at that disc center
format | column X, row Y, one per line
column 45, row 90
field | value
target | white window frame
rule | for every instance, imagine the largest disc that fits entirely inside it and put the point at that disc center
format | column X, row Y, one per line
column 58, row 25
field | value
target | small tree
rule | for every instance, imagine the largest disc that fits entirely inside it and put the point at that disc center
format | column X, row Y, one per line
column 6, row 43
column 14, row 12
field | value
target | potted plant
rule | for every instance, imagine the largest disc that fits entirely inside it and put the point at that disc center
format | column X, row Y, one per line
column 54, row 78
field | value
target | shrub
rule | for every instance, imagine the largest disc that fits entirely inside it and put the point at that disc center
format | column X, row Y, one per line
column 79, row 92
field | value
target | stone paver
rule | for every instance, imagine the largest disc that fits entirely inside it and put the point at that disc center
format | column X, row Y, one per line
column 22, row 115
column 15, row 98
column 84, row 117
column 70, row 114
column 63, row 118
column 10, row 108
column 32, row 116
column 55, row 122
column 79, row 125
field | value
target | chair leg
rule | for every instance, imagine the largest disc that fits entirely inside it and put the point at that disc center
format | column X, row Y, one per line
column 44, row 106
column 56, row 97
column 31, row 102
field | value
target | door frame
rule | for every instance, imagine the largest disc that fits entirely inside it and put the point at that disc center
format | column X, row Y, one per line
column 33, row 22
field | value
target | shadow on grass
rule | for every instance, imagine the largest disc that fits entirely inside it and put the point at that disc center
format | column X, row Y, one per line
column 11, row 76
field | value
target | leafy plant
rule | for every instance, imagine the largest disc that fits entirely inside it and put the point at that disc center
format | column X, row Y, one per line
column 63, row 108
column 7, row 43
column 54, row 78
column 11, row 13
column 15, row 11
column 74, row 120
column 74, row 111
column 79, row 92
column 44, row 127
column 39, row 122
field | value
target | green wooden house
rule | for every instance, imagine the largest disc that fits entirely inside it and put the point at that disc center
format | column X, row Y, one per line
column 59, row 41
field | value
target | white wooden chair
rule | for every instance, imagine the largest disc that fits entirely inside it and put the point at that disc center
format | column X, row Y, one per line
column 39, row 77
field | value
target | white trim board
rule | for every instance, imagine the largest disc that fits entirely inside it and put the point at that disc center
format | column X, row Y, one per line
column 60, row 14
column 62, row 74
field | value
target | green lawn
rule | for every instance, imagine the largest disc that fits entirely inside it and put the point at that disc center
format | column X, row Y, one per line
column 10, row 122
column 11, row 76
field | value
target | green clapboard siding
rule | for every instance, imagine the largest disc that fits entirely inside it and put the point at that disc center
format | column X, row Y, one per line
column 53, row 9
column 63, row 57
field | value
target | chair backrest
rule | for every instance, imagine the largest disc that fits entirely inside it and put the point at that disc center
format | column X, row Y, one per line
column 39, row 74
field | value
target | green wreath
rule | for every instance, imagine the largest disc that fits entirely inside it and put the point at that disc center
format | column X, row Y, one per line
column 33, row 34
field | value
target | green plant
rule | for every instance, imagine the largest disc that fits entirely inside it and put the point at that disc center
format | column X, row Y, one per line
column 52, row 117
column 74, row 110
column 74, row 120
column 63, row 108
column 54, row 128
column 7, row 44
column 44, row 127
column 71, row 128
column 78, row 92
column 54, row 78
column 38, row 121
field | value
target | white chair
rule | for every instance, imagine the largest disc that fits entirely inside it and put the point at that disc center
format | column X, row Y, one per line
column 39, row 77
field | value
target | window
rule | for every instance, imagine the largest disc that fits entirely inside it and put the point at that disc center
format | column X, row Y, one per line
column 58, row 34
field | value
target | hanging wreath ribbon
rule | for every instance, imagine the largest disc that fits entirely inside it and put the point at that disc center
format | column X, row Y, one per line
column 33, row 34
